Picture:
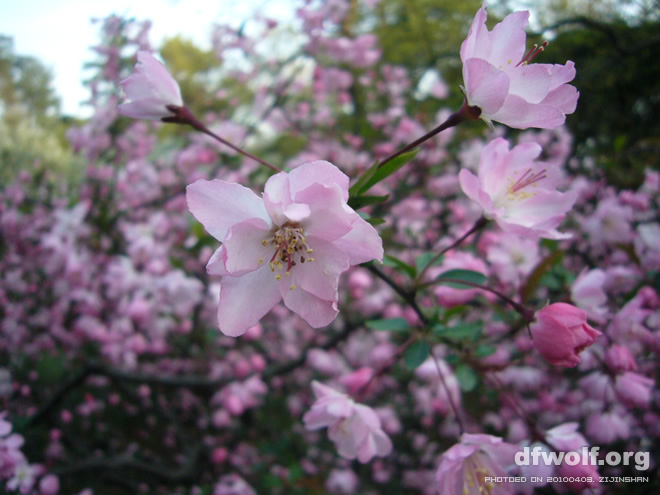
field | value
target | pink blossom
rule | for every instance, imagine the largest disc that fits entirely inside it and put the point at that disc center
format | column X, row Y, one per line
column 619, row 359
column 464, row 467
column 291, row 245
column 580, row 476
column 560, row 332
column 49, row 485
column 342, row 482
column 354, row 428
column 437, row 395
column 232, row 484
column 150, row 90
column 513, row 257
column 634, row 389
column 608, row 427
column 587, row 293
column 518, row 192
column 566, row 438
column 357, row 379
column 501, row 82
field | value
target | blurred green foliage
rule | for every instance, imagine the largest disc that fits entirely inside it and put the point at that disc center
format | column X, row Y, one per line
column 618, row 76
column 32, row 131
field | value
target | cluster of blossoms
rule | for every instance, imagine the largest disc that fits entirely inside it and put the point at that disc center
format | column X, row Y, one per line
column 125, row 290
column 16, row 473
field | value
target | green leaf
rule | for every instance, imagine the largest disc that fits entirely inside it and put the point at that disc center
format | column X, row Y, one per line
column 467, row 377
column 469, row 276
column 358, row 188
column 534, row 278
column 423, row 260
column 376, row 173
column 485, row 350
column 463, row 331
column 388, row 169
column 52, row 368
column 389, row 325
column 402, row 266
column 375, row 220
column 416, row 354
column 357, row 202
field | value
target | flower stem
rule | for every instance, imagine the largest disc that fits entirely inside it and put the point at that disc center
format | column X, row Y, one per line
column 461, row 426
column 526, row 313
column 183, row 115
column 466, row 112
column 478, row 225
column 359, row 393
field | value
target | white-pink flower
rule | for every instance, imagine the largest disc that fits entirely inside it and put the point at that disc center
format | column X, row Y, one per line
column 518, row 192
column 501, row 82
column 354, row 428
column 290, row 245
column 150, row 90
column 588, row 294
column 465, row 467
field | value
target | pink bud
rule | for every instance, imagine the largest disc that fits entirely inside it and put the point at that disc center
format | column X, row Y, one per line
column 560, row 332
column 356, row 380
column 49, row 485
column 258, row 362
column 219, row 455
column 242, row 368
column 619, row 359
column 150, row 90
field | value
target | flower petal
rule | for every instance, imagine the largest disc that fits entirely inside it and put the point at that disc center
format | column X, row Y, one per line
column 318, row 172
column 531, row 82
column 146, row 108
column 330, row 217
column 244, row 249
column 321, row 277
column 477, row 36
column 506, row 46
column 520, row 114
column 162, row 83
column 362, row 242
column 314, row 310
column 487, row 87
column 277, row 196
column 218, row 205
column 245, row 300
column 216, row 265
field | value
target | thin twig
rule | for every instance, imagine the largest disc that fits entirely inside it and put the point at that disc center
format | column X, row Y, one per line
column 478, row 225
column 454, row 408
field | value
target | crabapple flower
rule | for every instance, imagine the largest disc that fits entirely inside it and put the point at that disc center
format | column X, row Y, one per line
column 290, row 245
column 150, row 90
column 518, row 192
column 465, row 467
column 354, row 428
column 634, row 389
column 560, row 332
column 588, row 294
column 500, row 81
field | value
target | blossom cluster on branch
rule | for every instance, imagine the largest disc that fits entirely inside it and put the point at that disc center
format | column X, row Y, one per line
column 431, row 298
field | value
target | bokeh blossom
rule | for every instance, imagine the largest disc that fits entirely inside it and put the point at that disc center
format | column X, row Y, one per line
column 517, row 191
column 291, row 245
column 150, row 90
column 500, row 81
column 354, row 428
